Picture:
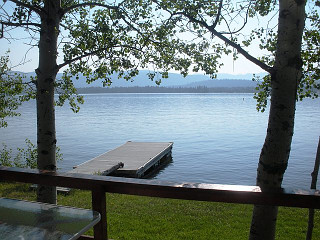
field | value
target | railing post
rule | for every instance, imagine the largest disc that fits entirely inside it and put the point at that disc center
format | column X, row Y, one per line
column 99, row 205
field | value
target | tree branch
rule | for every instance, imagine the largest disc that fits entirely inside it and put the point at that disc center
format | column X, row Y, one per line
column 1, row 32
column 92, row 54
column 243, row 52
column 218, row 14
column 78, row 58
column 20, row 24
column 33, row 8
column 243, row 25
column 94, row 4
column 229, row 42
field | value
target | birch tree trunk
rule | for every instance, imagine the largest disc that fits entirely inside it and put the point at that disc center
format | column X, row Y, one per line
column 284, row 81
column 46, row 75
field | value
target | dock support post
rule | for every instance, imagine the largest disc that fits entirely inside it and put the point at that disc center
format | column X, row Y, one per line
column 99, row 205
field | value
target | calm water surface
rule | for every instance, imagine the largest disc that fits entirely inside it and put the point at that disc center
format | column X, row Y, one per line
column 217, row 137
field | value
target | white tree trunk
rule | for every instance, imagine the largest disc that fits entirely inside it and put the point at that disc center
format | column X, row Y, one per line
column 276, row 149
column 46, row 75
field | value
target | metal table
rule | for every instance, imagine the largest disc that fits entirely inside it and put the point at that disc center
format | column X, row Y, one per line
column 24, row 220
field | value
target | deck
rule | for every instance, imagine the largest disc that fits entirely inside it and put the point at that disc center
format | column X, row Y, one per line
column 132, row 159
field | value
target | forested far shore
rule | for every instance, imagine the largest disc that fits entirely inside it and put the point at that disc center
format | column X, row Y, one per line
column 152, row 89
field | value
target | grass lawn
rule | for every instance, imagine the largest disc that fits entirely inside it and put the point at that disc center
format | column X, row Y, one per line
column 135, row 217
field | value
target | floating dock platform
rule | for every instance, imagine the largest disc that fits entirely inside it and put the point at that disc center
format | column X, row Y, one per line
column 132, row 159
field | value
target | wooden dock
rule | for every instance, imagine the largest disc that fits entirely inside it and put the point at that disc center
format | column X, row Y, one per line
column 132, row 159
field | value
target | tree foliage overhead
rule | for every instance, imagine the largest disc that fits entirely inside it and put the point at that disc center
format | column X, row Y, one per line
column 13, row 91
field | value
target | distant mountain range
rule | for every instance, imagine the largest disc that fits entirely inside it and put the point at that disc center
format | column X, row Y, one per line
column 174, row 80
column 152, row 89
column 222, row 83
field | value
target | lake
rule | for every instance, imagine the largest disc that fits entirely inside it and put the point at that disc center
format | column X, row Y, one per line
column 217, row 137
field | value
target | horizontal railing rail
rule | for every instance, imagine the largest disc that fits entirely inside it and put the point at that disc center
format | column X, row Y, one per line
column 99, row 185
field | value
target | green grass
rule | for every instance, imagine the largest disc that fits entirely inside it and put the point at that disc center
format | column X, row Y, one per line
column 135, row 217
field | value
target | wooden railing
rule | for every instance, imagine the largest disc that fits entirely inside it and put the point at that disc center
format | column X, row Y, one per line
column 99, row 185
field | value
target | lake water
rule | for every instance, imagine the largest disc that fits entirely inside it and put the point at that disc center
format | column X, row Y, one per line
column 217, row 137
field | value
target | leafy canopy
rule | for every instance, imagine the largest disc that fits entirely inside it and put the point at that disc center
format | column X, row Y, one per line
column 13, row 91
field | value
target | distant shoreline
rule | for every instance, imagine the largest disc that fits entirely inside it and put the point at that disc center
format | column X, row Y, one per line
column 152, row 89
